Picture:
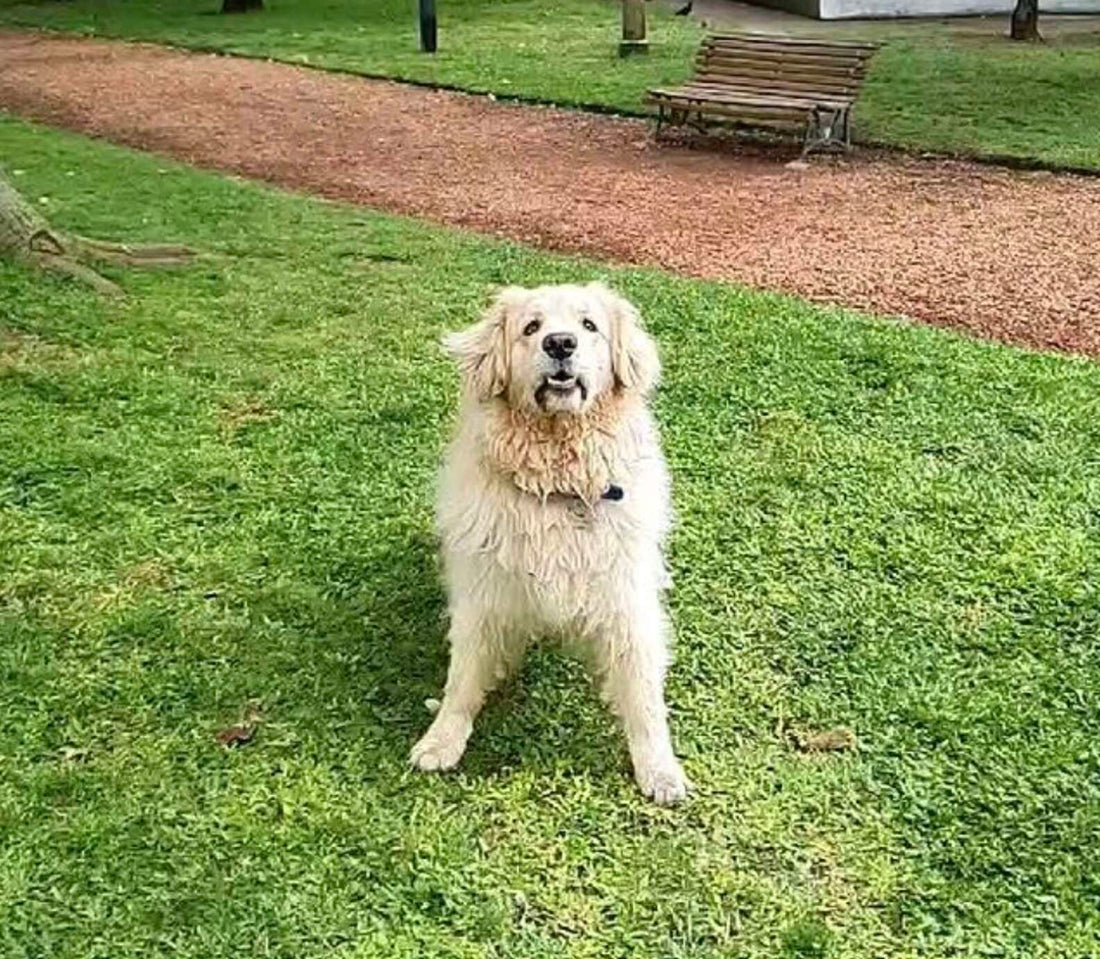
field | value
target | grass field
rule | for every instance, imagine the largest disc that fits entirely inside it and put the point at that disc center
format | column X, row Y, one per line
column 216, row 494
column 932, row 87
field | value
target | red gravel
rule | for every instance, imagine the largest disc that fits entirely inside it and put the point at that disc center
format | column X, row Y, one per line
column 1003, row 254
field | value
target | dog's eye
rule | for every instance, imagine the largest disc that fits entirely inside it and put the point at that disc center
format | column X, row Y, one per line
column 532, row 327
column 588, row 325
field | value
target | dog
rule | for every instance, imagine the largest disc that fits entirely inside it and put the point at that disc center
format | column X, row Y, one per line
column 553, row 508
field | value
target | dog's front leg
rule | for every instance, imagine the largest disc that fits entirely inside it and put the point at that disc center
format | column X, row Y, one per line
column 479, row 660
column 633, row 662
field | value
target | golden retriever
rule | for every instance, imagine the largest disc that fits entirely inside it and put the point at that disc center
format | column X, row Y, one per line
column 552, row 512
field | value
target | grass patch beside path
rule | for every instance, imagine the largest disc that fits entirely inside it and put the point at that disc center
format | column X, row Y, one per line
column 956, row 88
column 983, row 95
column 565, row 51
column 218, row 492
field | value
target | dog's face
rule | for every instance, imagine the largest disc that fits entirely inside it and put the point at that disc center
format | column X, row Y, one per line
column 560, row 349
column 556, row 349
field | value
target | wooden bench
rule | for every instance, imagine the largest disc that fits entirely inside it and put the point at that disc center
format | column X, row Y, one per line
column 773, row 81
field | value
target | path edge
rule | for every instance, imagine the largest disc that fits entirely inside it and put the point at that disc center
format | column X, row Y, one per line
column 1002, row 160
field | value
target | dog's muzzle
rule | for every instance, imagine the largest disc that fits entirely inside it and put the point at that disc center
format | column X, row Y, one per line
column 561, row 382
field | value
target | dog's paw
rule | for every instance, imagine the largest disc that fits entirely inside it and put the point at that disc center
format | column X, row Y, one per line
column 436, row 753
column 664, row 783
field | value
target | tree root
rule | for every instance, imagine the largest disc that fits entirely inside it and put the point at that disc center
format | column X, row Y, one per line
column 64, row 254
column 150, row 256
column 67, row 266
column 27, row 237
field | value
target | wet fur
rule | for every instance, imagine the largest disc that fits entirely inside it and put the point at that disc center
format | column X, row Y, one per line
column 529, row 547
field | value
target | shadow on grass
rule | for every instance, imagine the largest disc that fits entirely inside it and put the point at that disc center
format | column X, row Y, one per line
column 369, row 647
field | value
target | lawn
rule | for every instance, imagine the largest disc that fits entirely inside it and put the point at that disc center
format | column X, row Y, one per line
column 215, row 495
column 956, row 89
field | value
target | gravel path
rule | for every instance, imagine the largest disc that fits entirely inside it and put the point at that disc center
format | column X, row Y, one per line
column 1015, row 256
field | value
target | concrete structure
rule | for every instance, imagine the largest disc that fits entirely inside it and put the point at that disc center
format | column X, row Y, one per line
column 851, row 9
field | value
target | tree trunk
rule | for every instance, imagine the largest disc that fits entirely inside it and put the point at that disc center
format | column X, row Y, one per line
column 27, row 238
column 20, row 224
column 241, row 6
column 1025, row 20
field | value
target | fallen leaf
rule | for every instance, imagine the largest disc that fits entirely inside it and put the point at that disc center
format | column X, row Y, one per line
column 237, row 735
column 825, row 740
column 245, row 731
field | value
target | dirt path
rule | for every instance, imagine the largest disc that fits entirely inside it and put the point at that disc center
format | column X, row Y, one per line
column 1009, row 255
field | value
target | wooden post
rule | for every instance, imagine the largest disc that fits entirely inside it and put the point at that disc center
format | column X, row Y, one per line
column 427, row 26
column 633, row 40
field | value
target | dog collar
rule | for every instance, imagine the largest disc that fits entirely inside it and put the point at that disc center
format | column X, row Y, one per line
column 613, row 493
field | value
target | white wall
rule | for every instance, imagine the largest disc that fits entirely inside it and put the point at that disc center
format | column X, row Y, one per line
column 842, row 9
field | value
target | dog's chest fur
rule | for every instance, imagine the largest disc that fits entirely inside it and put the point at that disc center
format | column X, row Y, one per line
column 568, row 456
column 523, row 500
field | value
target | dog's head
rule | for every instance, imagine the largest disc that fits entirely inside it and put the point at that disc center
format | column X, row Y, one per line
column 556, row 349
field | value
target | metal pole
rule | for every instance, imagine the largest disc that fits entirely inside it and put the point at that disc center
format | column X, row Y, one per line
column 427, row 26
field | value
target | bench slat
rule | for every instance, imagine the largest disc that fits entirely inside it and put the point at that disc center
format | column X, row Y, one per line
column 807, row 91
column 789, row 115
column 775, row 49
column 780, row 56
column 777, row 45
column 787, row 89
column 766, row 85
column 792, row 101
column 718, row 71
column 772, row 62
column 779, row 53
column 779, row 39
column 747, row 98
column 704, row 91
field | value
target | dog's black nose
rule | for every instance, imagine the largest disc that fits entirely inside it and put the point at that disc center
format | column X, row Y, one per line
column 559, row 345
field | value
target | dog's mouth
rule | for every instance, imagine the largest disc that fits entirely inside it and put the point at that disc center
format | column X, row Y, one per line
column 560, row 383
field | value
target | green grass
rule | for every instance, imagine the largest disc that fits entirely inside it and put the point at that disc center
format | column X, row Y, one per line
column 218, row 492
column 984, row 95
column 932, row 87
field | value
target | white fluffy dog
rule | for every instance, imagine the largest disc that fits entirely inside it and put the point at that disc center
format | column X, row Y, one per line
column 553, row 506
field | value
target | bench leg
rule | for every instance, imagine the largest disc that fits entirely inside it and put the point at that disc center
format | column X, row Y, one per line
column 668, row 115
column 827, row 130
column 812, row 136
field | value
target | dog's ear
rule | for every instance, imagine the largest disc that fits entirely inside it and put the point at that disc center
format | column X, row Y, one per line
column 634, row 359
column 481, row 350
